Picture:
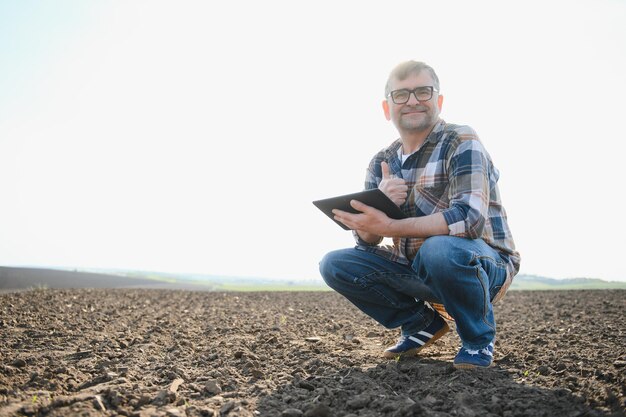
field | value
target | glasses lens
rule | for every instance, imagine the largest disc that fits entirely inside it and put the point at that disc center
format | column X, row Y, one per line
column 400, row 96
column 424, row 93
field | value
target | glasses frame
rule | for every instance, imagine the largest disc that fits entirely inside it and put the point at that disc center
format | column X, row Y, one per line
column 414, row 92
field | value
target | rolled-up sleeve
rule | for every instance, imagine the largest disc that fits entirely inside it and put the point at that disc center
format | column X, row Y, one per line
column 468, row 173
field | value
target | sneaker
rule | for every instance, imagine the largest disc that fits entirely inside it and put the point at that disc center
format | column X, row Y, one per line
column 470, row 359
column 411, row 345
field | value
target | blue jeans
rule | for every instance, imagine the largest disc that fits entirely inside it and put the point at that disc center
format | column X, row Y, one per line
column 462, row 274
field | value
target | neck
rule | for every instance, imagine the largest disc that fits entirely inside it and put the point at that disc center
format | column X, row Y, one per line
column 414, row 139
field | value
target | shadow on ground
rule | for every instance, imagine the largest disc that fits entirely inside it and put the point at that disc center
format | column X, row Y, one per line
column 429, row 388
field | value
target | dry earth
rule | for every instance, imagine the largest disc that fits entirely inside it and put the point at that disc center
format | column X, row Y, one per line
column 174, row 353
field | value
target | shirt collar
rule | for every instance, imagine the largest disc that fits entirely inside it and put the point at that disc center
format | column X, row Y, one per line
column 433, row 137
column 437, row 131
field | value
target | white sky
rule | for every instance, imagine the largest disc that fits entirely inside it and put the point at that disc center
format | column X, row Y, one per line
column 193, row 136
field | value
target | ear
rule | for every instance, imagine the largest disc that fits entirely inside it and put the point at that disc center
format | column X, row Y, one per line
column 440, row 102
column 386, row 110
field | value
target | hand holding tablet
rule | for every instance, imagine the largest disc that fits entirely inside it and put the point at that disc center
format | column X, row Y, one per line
column 373, row 198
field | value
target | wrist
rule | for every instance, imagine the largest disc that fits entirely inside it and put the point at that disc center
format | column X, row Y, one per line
column 392, row 228
column 396, row 228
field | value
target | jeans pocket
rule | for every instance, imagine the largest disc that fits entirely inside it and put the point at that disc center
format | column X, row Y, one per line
column 496, row 271
column 494, row 291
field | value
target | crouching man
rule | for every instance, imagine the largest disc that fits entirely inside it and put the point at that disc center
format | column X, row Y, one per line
column 454, row 249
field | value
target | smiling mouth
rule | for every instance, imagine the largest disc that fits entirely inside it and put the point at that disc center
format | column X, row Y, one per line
column 414, row 111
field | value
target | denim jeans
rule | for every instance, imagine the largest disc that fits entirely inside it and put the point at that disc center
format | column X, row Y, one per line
column 462, row 274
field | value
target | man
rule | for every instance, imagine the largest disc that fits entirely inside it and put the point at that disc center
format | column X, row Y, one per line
column 455, row 248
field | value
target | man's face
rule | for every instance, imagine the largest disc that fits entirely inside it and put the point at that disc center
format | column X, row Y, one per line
column 414, row 115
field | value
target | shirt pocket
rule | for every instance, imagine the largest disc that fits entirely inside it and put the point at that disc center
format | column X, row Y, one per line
column 431, row 198
column 429, row 192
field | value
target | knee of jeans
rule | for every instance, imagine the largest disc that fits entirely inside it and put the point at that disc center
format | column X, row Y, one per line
column 433, row 253
column 328, row 266
column 440, row 256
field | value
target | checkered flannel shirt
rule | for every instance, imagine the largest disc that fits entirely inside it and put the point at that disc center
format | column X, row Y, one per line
column 451, row 173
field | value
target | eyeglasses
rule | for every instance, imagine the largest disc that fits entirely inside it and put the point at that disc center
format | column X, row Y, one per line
column 403, row 95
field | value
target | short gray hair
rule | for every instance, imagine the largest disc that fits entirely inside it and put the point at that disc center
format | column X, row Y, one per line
column 404, row 69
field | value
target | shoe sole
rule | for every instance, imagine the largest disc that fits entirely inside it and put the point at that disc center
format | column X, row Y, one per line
column 413, row 352
column 470, row 366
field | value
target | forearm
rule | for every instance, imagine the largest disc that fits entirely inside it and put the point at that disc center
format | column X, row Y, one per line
column 370, row 224
column 426, row 226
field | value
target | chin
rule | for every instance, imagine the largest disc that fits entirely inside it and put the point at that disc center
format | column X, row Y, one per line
column 414, row 127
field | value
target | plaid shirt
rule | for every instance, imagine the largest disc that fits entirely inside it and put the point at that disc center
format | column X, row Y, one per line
column 451, row 173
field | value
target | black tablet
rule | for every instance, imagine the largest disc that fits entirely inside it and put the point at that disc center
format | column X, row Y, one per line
column 373, row 198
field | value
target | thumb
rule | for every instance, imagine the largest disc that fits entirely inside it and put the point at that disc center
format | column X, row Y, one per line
column 385, row 168
column 362, row 207
column 357, row 205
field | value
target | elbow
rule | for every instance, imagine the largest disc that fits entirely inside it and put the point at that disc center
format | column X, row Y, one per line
column 475, row 228
column 464, row 221
column 471, row 219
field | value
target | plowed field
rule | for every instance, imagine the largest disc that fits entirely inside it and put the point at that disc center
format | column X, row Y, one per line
column 183, row 353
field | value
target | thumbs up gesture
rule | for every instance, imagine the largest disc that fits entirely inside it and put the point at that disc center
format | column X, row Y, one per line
column 394, row 188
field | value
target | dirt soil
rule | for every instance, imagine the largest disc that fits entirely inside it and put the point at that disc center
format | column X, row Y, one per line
column 183, row 353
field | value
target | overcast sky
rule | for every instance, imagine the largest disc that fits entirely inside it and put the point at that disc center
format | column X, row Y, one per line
column 192, row 136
